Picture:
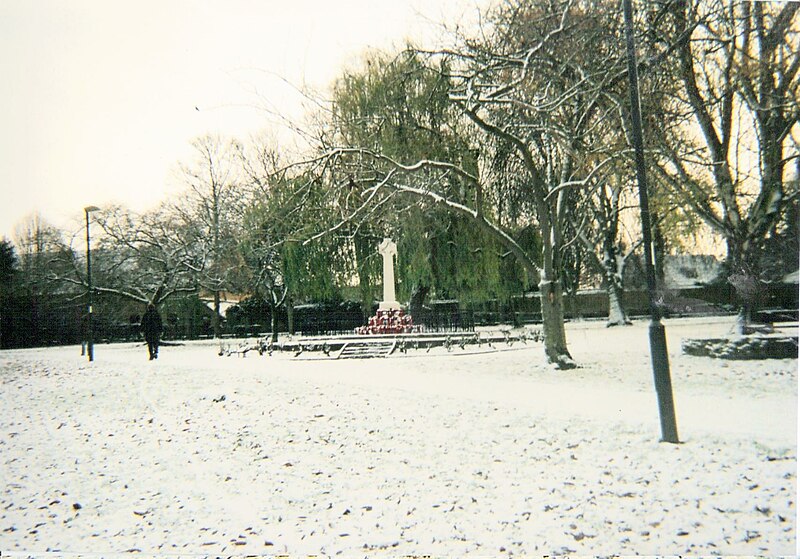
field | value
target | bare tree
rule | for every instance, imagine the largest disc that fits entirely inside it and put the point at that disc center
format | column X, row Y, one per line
column 145, row 258
column 543, row 90
column 600, row 229
column 211, row 212
column 737, row 64
column 39, row 245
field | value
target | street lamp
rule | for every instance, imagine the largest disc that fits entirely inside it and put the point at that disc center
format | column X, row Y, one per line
column 658, row 340
column 89, row 325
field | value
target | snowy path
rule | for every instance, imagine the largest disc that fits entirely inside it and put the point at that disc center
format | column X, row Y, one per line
column 492, row 454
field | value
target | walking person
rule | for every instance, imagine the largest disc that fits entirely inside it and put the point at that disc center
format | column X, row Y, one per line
column 152, row 328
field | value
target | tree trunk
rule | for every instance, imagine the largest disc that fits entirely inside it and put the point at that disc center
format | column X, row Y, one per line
column 366, row 303
column 743, row 319
column 415, row 305
column 616, row 312
column 742, row 270
column 612, row 267
column 555, row 337
column 215, row 320
column 290, row 314
column 363, row 249
column 273, row 320
column 659, row 251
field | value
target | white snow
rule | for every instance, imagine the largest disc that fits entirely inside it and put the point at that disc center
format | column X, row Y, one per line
column 433, row 453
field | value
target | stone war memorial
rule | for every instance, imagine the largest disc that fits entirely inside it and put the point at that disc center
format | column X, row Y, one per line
column 390, row 318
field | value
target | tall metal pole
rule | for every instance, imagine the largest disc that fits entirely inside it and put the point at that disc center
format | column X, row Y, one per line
column 658, row 339
column 90, row 316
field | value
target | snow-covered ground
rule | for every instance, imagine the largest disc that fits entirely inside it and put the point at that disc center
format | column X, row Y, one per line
column 432, row 453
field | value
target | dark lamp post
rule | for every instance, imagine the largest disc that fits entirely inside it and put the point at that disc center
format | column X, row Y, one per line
column 658, row 339
column 89, row 323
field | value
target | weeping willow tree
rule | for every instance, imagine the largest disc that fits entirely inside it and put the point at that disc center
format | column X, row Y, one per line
column 284, row 210
column 399, row 107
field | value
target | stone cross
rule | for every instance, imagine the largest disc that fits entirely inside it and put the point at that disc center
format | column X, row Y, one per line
column 388, row 250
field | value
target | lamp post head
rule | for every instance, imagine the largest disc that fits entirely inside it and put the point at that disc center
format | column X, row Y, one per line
column 88, row 209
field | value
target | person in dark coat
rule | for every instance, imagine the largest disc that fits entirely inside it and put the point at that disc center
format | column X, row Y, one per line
column 152, row 328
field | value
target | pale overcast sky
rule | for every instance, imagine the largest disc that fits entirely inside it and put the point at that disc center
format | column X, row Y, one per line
column 100, row 99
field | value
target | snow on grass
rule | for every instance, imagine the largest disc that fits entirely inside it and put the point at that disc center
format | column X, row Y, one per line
column 432, row 453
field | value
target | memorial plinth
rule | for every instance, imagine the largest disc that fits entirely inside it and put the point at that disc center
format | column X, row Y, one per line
column 393, row 321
